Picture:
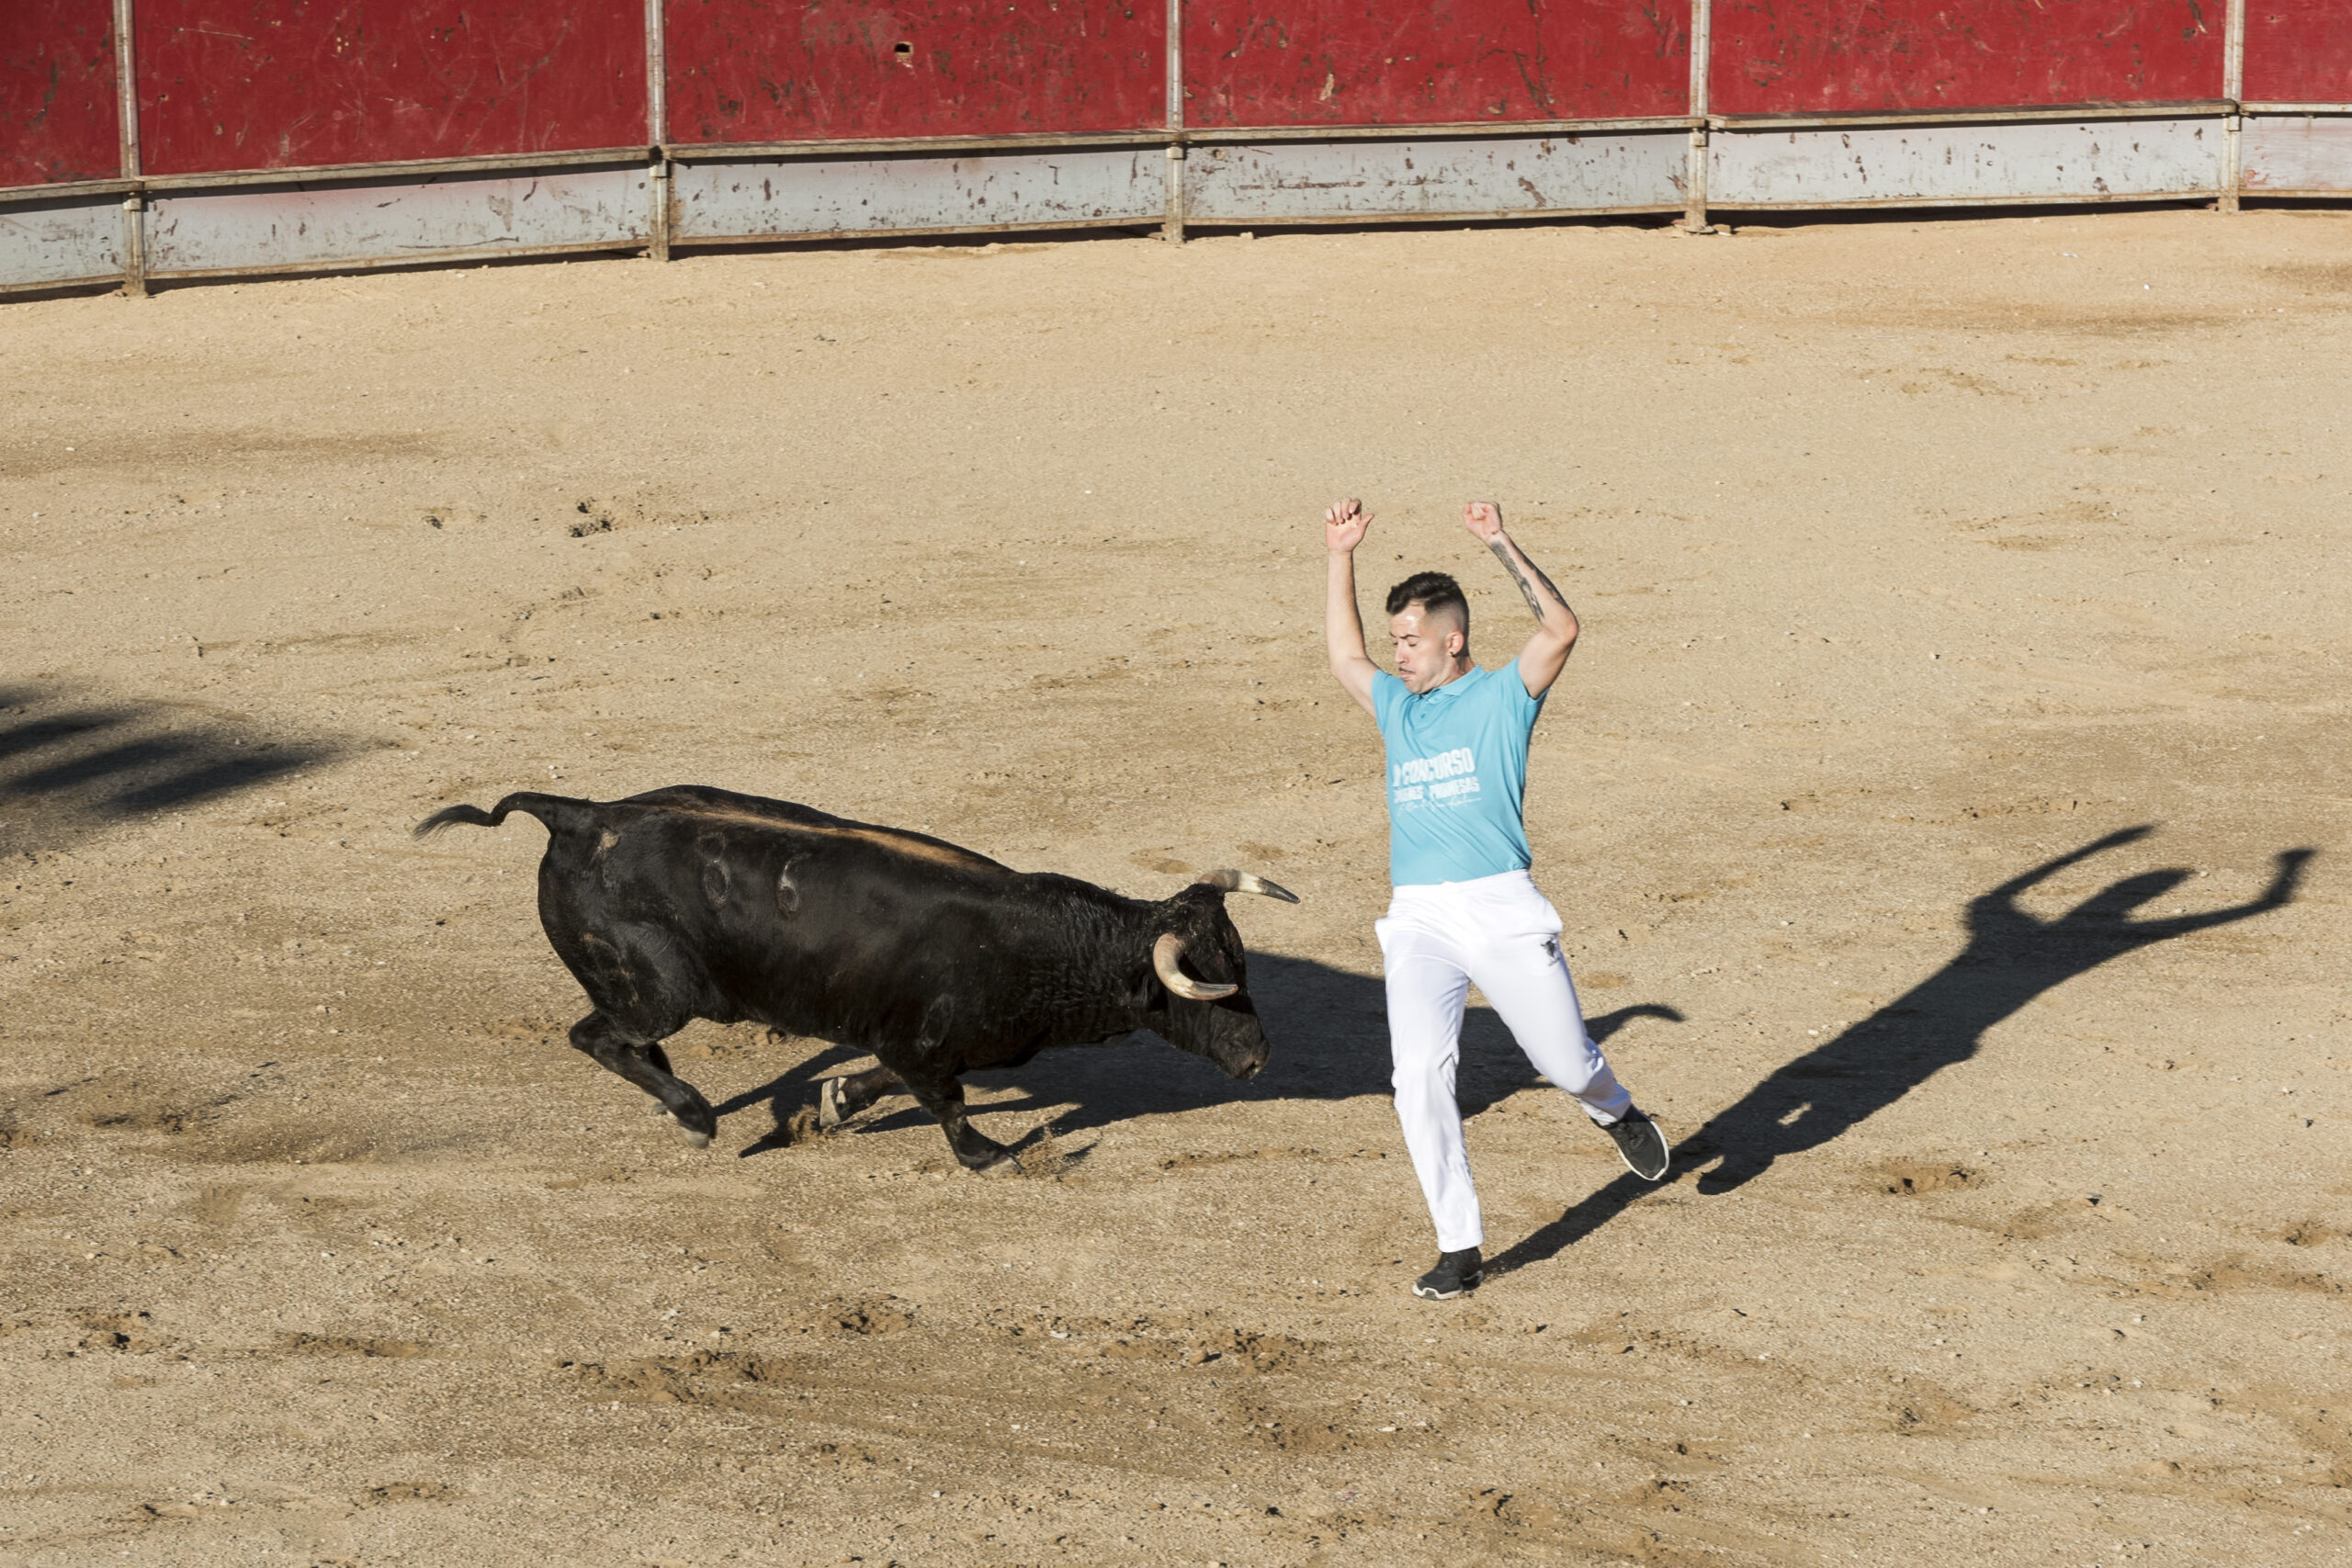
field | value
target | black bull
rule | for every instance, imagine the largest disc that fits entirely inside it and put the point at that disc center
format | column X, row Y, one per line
column 692, row 902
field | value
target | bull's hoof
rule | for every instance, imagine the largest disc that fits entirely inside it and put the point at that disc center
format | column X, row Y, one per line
column 829, row 1113
column 693, row 1136
column 1004, row 1164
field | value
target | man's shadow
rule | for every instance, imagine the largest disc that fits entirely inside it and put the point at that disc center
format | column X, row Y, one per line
column 2012, row 957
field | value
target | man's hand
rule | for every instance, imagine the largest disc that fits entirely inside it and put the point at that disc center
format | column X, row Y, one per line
column 1485, row 520
column 1344, row 526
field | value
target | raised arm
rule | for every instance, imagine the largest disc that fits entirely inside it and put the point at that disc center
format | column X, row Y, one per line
column 1343, row 527
column 1556, row 624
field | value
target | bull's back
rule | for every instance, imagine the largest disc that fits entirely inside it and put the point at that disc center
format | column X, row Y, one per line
column 779, row 913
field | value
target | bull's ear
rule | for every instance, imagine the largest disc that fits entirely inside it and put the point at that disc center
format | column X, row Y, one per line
column 1243, row 882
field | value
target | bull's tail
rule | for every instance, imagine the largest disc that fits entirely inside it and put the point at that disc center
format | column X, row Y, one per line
column 560, row 813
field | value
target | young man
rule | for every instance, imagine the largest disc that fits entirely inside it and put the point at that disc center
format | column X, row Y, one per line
column 1464, row 909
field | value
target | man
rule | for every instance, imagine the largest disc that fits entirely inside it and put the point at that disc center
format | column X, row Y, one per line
column 1465, row 909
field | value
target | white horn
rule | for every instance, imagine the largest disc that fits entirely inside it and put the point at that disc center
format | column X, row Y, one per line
column 1243, row 882
column 1164, row 955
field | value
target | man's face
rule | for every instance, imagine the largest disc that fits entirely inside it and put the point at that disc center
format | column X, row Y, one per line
column 1429, row 647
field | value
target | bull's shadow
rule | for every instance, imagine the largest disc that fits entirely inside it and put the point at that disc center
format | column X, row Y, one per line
column 2012, row 957
column 1330, row 1033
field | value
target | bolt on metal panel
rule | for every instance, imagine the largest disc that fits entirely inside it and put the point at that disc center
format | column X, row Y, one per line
column 79, row 242
column 1466, row 176
column 2295, row 155
column 355, row 221
column 2014, row 161
column 765, row 199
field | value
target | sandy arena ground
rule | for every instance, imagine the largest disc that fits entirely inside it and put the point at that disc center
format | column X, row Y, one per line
column 1918, row 559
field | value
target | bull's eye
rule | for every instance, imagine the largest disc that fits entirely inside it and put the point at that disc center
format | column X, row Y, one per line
column 714, row 881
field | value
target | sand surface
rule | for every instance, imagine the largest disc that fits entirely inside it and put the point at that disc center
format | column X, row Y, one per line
column 1921, row 562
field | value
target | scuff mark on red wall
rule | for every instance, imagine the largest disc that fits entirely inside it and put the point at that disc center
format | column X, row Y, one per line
column 230, row 84
column 59, row 116
column 1831, row 56
column 1251, row 63
column 755, row 71
column 2298, row 51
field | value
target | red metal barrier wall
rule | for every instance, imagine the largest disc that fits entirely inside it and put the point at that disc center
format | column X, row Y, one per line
column 58, row 118
column 1272, row 63
column 286, row 84
column 754, row 71
column 1825, row 56
column 2298, row 51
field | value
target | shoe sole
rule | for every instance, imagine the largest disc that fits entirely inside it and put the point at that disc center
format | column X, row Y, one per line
column 1666, row 1156
column 1467, row 1286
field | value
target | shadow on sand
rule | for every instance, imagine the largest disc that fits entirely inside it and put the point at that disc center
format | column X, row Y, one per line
column 1329, row 1033
column 2012, row 957
column 69, row 770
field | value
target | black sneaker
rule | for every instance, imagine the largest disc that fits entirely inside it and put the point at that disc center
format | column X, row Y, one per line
column 1643, row 1146
column 1456, row 1274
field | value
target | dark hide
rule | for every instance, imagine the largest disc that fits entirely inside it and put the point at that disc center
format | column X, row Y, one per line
column 692, row 902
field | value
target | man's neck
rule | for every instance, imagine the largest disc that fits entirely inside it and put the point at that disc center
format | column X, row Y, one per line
column 1462, row 666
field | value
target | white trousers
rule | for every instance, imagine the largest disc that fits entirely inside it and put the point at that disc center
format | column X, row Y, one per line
column 1501, row 934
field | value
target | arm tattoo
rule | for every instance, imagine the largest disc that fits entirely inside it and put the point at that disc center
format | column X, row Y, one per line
column 1527, row 588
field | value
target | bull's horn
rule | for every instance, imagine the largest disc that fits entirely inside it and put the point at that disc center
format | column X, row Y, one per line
column 1243, row 882
column 1164, row 955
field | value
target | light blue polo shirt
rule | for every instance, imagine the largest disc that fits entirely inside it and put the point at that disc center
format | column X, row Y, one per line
column 1457, row 775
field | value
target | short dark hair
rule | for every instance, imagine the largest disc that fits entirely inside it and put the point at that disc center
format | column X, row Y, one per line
column 1433, row 590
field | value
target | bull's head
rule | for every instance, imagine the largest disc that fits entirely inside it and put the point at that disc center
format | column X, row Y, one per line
column 1198, row 959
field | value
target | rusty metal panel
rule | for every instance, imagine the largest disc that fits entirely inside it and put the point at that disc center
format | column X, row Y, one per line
column 1835, row 56
column 762, row 70
column 58, row 103
column 2014, row 161
column 1310, row 182
column 902, row 194
column 2295, row 153
column 230, row 84
column 2298, row 51
column 354, row 222
column 1258, row 63
column 72, row 241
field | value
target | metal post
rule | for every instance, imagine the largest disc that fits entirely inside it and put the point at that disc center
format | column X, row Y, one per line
column 657, row 132
column 1175, row 64
column 134, row 210
column 657, row 186
column 2233, row 89
column 1694, row 214
column 1172, row 229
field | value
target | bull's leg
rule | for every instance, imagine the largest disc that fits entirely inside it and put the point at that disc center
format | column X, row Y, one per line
column 646, row 1064
column 944, row 1098
column 843, row 1097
